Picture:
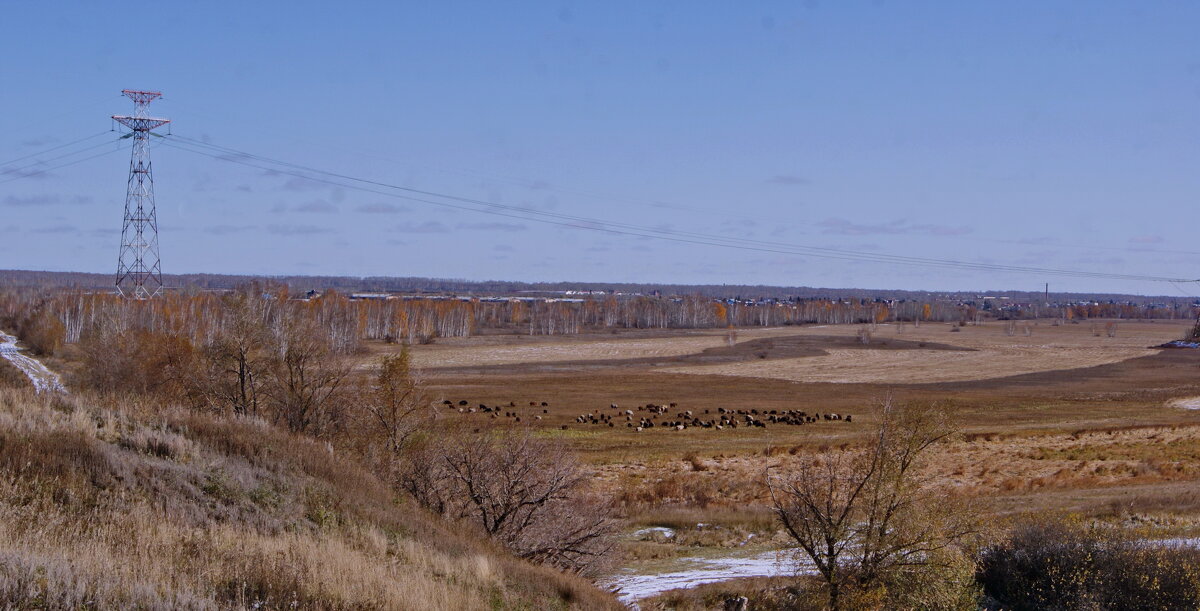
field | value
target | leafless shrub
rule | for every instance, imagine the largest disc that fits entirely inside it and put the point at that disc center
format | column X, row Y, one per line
column 306, row 378
column 1053, row 564
column 236, row 359
column 864, row 335
column 524, row 492
column 867, row 521
column 695, row 461
column 158, row 442
column 43, row 332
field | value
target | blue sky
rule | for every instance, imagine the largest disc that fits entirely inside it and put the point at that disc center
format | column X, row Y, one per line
column 1061, row 135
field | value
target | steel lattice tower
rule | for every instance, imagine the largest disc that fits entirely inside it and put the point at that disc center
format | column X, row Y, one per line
column 139, row 273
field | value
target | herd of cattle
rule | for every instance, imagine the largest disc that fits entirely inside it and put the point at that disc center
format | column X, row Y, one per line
column 509, row 411
column 661, row 416
column 664, row 416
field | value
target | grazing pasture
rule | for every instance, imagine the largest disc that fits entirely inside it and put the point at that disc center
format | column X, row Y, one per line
column 680, row 427
column 1027, row 400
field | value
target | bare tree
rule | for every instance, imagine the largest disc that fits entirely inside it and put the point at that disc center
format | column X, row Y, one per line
column 524, row 492
column 306, row 377
column 236, row 357
column 866, row 517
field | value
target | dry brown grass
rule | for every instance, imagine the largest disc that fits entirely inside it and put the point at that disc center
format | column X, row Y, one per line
column 994, row 355
column 157, row 509
column 11, row 377
column 485, row 350
column 1149, row 472
column 760, row 592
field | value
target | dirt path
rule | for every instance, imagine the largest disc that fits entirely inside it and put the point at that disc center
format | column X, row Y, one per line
column 42, row 378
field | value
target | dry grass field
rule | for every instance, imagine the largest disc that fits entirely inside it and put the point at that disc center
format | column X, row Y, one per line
column 1087, row 418
column 1064, row 417
column 993, row 354
column 1030, row 402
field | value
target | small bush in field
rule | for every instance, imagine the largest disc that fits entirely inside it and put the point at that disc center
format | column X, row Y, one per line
column 696, row 462
column 526, row 493
column 1061, row 565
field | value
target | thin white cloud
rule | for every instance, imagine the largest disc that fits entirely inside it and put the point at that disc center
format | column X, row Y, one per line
column 228, row 229
column 840, row 226
column 1146, row 239
column 292, row 230
column 381, row 208
column 491, row 226
column 317, row 207
column 426, row 227
column 787, row 179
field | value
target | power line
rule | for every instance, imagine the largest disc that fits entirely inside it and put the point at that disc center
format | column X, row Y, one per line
column 528, row 183
column 53, row 148
column 41, row 171
column 626, row 229
column 28, row 170
column 338, row 179
column 533, row 184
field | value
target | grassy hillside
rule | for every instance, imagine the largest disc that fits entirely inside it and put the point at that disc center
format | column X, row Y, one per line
column 132, row 506
column 11, row 377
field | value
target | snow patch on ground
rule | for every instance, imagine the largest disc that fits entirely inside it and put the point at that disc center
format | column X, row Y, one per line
column 1185, row 403
column 1179, row 542
column 661, row 530
column 631, row 587
column 42, row 378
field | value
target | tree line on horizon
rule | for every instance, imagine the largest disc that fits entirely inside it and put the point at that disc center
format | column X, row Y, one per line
column 49, row 319
column 190, row 283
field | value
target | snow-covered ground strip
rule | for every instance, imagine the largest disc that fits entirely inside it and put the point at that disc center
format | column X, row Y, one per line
column 659, row 530
column 42, row 378
column 1180, row 542
column 1185, row 403
column 633, row 587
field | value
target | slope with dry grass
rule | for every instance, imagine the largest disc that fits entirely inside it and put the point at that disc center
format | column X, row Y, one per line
column 11, row 377
column 122, row 506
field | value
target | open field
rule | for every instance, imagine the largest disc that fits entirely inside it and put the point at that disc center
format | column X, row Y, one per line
column 1061, row 379
column 928, row 353
column 1064, row 408
column 678, row 428
column 1057, row 417
column 508, row 349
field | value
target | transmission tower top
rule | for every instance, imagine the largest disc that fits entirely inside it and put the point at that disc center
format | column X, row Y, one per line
column 140, row 122
column 141, row 98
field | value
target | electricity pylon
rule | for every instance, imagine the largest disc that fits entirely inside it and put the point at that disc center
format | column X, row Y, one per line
column 139, row 272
